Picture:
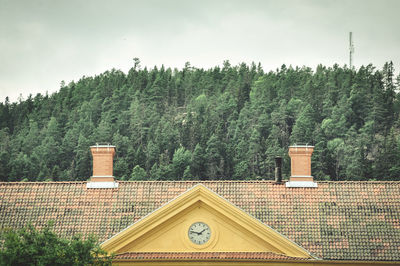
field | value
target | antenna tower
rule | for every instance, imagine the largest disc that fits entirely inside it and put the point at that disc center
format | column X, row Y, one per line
column 351, row 48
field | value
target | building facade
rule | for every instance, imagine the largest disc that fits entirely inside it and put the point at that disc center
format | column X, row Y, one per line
column 292, row 222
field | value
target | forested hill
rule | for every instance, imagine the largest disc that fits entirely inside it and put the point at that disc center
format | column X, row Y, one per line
column 227, row 122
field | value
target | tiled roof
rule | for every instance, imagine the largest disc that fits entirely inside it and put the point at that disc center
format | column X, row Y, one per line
column 336, row 221
column 203, row 256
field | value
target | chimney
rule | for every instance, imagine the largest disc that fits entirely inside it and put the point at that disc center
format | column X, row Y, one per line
column 102, row 177
column 300, row 156
column 278, row 169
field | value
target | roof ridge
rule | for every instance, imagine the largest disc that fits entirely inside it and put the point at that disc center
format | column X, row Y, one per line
column 44, row 182
column 199, row 181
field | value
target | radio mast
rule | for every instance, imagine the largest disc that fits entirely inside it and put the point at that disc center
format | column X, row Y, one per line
column 351, row 48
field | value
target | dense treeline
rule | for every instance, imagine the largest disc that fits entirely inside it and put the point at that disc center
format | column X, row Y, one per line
column 227, row 122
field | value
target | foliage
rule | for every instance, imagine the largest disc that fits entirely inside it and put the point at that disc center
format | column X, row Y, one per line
column 138, row 173
column 221, row 123
column 29, row 246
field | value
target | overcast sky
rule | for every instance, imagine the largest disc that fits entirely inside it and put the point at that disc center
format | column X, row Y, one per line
column 43, row 42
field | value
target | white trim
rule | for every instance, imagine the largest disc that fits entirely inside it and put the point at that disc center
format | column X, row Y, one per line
column 102, row 185
column 301, row 146
column 102, row 146
column 301, row 184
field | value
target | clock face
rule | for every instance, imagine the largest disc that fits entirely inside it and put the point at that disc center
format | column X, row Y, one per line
column 199, row 233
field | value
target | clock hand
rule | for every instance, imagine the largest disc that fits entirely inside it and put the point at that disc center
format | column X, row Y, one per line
column 202, row 231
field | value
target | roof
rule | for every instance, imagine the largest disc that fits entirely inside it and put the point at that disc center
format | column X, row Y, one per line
column 336, row 221
column 204, row 256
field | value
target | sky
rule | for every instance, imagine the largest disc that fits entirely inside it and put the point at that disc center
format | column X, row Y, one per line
column 45, row 42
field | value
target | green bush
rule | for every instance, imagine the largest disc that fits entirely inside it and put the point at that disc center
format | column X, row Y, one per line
column 29, row 246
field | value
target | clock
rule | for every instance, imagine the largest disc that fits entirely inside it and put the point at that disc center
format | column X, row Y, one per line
column 199, row 233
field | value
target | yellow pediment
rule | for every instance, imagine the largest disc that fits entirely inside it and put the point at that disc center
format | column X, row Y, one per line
column 226, row 228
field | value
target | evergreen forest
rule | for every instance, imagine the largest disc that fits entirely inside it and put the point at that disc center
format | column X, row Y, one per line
column 228, row 122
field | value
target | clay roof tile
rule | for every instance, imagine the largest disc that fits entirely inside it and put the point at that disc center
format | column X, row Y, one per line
column 335, row 221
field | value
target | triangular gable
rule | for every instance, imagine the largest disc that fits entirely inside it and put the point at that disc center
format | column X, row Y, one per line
column 232, row 230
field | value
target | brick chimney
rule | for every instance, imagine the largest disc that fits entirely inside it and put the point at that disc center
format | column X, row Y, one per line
column 300, row 156
column 102, row 177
